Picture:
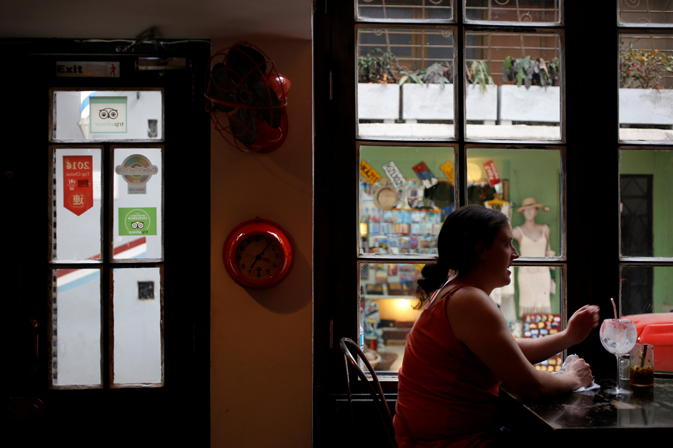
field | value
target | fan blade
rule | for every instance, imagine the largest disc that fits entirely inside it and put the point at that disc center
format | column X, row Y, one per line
column 267, row 102
column 223, row 88
column 243, row 60
column 244, row 126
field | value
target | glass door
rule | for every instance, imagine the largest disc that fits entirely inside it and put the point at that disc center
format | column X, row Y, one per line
column 109, row 289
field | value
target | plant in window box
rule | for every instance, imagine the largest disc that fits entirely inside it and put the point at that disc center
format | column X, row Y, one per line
column 378, row 91
column 428, row 94
column 540, row 100
column 642, row 97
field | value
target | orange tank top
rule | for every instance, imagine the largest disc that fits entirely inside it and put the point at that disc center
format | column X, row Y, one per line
column 446, row 396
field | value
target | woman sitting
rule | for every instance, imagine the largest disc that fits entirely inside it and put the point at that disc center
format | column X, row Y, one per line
column 461, row 348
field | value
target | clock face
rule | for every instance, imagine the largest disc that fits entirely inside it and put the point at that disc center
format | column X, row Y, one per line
column 259, row 256
column 258, row 253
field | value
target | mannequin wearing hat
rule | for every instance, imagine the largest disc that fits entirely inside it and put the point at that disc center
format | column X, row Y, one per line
column 534, row 281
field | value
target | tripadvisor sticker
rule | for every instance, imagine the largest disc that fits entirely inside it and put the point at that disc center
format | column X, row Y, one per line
column 137, row 221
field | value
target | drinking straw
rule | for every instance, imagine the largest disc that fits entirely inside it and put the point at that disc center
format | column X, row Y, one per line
column 614, row 307
column 642, row 358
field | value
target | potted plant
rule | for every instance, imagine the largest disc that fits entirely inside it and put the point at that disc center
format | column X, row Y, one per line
column 540, row 100
column 378, row 91
column 642, row 98
column 428, row 94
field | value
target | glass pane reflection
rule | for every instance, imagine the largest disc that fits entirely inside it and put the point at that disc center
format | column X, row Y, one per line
column 520, row 11
column 644, row 13
column 387, row 308
column 405, row 9
column 646, row 300
column 405, row 194
column 138, row 335
column 646, row 87
column 646, row 196
column 405, row 83
column 513, row 80
column 76, row 205
column 76, row 328
column 107, row 115
column 526, row 186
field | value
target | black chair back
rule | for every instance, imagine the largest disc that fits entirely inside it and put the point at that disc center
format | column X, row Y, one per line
column 351, row 353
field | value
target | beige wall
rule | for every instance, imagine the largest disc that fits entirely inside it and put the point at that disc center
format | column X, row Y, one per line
column 261, row 340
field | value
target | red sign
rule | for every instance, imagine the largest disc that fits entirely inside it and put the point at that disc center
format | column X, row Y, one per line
column 77, row 183
column 492, row 173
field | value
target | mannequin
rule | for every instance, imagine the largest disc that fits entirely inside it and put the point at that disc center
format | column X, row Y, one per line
column 534, row 281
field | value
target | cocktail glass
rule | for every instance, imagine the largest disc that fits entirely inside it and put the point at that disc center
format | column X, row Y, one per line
column 618, row 336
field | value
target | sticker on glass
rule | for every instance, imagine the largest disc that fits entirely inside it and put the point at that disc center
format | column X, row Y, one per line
column 77, row 183
column 107, row 115
column 136, row 170
column 137, row 221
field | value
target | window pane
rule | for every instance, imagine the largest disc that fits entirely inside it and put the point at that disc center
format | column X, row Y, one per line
column 138, row 336
column 405, row 9
column 644, row 13
column 646, row 300
column 405, row 194
column 526, row 186
column 76, row 328
column 76, row 205
column 530, row 306
column 405, row 83
column 646, row 87
column 526, row 99
column 519, row 11
column 107, row 115
column 646, row 198
column 138, row 200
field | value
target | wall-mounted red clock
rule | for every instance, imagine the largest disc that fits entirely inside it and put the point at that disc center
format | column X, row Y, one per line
column 258, row 253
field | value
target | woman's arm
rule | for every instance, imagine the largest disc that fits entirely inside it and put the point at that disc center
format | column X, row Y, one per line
column 579, row 326
column 478, row 323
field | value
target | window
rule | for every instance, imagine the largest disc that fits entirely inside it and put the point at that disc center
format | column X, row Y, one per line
column 417, row 132
column 597, row 180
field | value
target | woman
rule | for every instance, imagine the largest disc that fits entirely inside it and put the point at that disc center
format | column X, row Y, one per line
column 460, row 348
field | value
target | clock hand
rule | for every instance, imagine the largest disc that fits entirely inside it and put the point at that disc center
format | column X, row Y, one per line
column 257, row 257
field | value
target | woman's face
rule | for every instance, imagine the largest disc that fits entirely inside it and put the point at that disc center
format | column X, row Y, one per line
column 530, row 212
column 498, row 258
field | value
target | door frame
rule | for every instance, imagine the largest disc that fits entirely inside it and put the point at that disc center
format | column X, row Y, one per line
column 182, row 407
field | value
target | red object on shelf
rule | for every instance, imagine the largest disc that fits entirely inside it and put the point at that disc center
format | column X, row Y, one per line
column 656, row 329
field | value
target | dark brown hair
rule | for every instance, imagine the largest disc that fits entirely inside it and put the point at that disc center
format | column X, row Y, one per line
column 456, row 244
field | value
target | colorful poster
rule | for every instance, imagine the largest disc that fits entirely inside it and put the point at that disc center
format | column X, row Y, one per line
column 492, row 173
column 107, row 115
column 425, row 175
column 77, row 183
column 137, row 221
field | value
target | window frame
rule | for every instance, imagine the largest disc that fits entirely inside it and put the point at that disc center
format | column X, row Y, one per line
column 591, row 260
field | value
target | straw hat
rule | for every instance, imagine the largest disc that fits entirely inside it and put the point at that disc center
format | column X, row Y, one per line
column 529, row 202
column 386, row 197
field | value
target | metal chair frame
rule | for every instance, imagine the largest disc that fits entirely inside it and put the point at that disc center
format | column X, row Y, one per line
column 348, row 347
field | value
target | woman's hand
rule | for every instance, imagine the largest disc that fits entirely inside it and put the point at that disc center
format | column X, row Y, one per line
column 582, row 371
column 582, row 322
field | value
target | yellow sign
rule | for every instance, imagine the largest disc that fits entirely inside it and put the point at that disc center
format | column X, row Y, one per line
column 369, row 173
column 447, row 168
